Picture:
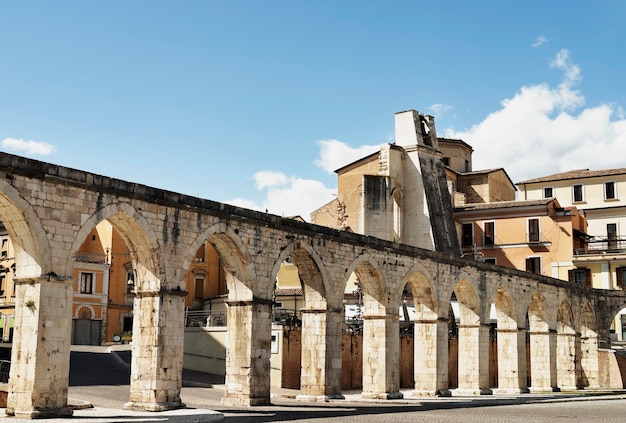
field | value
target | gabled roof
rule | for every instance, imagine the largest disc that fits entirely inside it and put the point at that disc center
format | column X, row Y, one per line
column 486, row 172
column 575, row 174
column 454, row 141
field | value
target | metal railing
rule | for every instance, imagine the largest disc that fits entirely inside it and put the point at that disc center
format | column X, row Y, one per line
column 94, row 258
column 602, row 246
column 204, row 318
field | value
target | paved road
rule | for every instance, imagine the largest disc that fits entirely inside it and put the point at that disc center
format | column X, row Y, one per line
column 103, row 380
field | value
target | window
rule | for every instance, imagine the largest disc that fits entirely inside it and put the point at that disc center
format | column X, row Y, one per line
column 577, row 193
column 491, row 260
column 446, row 161
column 548, row 192
column 130, row 281
column 467, row 166
column 3, row 280
column 620, row 274
column 397, row 215
column 580, row 276
column 489, row 233
column 533, row 230
column 467, row 238
column 609, row 191
column 533, row 265
column 86, row 283
column 199, row 286
column 611, row 235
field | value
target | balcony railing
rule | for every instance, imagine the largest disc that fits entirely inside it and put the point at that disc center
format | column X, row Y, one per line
column 605, row 246
column 94, row 258
column 204, row 318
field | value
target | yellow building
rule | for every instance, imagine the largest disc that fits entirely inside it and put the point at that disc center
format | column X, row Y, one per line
column 7, row 293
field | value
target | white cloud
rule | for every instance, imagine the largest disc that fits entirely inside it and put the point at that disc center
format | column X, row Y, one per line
column 440, row 109
column 539, row 41
column 544, row 130
column 336, row 154
column 287, row 196
column 28, row 147
column 268, row 179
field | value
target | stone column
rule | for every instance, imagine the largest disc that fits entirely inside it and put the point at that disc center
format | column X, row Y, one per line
column 248, row 349
column 431, row 357
column 543, row 362
column 566, row 361
column 321, row 355
column 40, row 356
column 512, row 375
column 381, row 355
column 589, row 365
column 473, row 360
column 157, row 350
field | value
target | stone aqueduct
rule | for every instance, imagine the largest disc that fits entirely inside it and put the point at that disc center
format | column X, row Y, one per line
column 49, row 210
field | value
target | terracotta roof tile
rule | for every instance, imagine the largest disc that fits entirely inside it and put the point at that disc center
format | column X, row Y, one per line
column 575, row 174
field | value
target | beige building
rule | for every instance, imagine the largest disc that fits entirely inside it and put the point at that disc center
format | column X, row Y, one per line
column 601, row 196
column 384, row 194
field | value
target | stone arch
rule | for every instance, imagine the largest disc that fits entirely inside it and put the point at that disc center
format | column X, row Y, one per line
column 542, row 345
column 372, row 284
column 470, row 312
column 32, row 251
column 137, row 234
column 505, row 310
column 566, row 346
column 538, row 313
column 565, row 319
column 235, row 257
column 424, row 293
column 312, row 273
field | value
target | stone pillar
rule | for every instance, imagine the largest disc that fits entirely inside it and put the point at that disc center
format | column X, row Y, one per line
column 431, row 358
column 321, row 355
column 248, row 349
column 157, row 351
column 40, row 356
column 566, row 361
column 589, row 365
column 512, row 374
column 543, row 362
column 473, row 360
column 381, row 355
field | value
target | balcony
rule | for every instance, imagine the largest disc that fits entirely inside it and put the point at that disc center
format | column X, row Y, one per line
column 93, row 258
column 602, row 246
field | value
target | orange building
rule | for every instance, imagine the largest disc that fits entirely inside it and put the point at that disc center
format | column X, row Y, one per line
column 538, row 236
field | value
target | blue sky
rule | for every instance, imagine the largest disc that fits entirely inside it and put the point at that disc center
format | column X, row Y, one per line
column 256, row 103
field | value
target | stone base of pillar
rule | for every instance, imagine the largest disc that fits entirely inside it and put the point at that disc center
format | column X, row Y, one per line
column 382, row 396
column 244, row 401
column 510, row 391
column 428, row 393
column 469, row 392
column 542, row 390
column 46, row 413
column 318, row 398
column 153, row 406
column 568, row 388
